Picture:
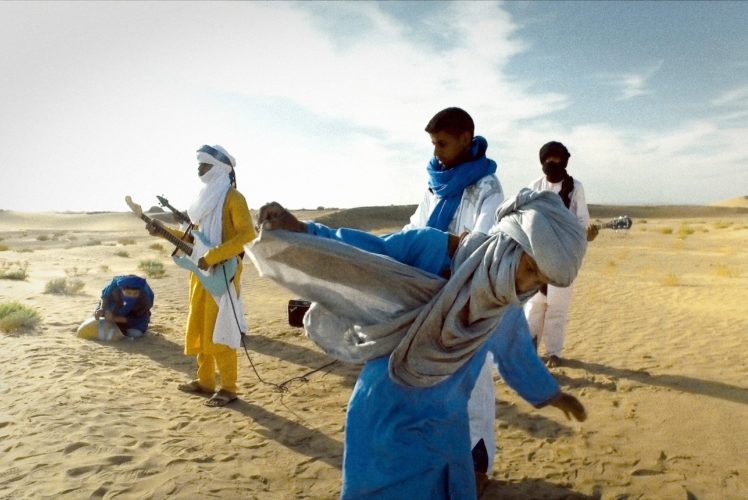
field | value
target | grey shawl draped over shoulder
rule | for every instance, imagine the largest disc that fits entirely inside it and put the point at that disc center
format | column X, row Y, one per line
column 367, row 305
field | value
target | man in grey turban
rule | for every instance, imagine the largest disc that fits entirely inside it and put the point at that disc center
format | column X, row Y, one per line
column 422, row 338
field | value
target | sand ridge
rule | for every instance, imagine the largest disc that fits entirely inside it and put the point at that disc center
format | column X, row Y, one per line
column 656, row 351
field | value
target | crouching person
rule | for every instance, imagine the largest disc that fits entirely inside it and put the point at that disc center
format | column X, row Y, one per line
column 124, row 310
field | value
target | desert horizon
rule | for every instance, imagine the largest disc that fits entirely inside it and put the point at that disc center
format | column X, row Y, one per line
column 655, row 350
column 378, row 215
column 731, row 204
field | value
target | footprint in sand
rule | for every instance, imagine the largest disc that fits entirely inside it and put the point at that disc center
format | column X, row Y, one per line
column 73, row 446
column 81, row 471
column 119, row 459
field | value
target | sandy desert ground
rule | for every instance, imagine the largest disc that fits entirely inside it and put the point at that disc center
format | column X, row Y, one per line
column 656, row 350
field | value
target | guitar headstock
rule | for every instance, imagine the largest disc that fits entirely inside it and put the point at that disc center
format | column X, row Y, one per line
column 623, row 222
column 136, row 209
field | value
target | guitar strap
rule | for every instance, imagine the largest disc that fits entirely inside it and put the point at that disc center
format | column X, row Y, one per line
column 183, row 237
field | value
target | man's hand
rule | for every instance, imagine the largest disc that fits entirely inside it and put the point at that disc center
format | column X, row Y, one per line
column 570, row 405
column 154, row 227
column 273, row 216
column 203, row 264
column 592, row 231
column 453, row 241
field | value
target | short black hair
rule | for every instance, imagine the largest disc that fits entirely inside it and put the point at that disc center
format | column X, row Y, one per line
column 452, row 120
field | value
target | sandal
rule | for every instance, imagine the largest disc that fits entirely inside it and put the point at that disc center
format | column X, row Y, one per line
column 553, row 361
column 221, row 398
column 193, row 387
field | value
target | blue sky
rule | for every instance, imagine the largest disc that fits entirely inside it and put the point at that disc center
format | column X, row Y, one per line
column 324, row 104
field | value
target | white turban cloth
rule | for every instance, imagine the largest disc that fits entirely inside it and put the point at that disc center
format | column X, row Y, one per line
column 367, row 305
column 206, row 211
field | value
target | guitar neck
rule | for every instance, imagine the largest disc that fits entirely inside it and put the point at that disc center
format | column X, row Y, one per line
column 181, row 244
column 178, row 214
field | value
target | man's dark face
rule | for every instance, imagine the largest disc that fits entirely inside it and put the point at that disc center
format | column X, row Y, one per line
column 450, row 149
column 203, row 168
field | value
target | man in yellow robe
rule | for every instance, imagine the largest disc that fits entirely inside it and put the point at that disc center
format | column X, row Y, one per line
column 215, row 323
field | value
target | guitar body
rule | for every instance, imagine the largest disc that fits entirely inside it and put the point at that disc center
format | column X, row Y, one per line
column 214, row 279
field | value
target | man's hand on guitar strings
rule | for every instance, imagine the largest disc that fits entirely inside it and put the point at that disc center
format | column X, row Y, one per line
column 203, row 264
column 154, row 227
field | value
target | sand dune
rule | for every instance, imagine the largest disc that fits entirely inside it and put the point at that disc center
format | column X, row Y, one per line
column 667, row 211
column 740, row 201
column 656, row 351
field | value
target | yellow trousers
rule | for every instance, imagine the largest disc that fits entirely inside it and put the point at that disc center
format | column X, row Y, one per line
column 225, row 361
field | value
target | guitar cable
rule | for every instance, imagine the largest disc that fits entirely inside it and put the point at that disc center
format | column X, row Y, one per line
column 283, row 386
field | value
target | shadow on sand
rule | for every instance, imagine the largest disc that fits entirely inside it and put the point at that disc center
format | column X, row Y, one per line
column 170, row 354
column 530, row 422
column 531, row 489
column 288, row 433
column 160, row 349
column 293, row 435
column 676, row 382
column 300, row 356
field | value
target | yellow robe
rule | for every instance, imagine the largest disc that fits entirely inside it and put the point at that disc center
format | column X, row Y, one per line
column 238, row 230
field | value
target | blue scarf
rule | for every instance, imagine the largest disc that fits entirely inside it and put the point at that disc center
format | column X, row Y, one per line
column 448, row 185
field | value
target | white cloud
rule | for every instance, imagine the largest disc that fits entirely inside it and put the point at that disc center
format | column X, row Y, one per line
column 733, row 104
column 737, row 96
column 631, row 85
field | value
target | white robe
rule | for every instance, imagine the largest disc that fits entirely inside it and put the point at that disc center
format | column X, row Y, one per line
column 547, row 314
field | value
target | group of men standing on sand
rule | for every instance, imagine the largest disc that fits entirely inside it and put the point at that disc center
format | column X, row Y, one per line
column 477, row 282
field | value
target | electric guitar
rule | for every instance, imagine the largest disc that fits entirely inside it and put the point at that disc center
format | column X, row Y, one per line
column 216, row 278
column 622, row 222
